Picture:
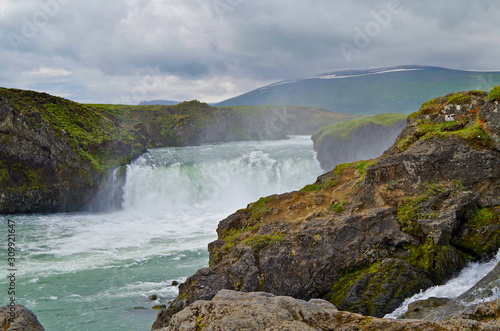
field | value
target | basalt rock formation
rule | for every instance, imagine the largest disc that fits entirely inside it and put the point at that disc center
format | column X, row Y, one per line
column 57, row 155
column 371, row 233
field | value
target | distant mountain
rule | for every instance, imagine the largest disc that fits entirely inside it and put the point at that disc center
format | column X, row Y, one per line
column 366, row 92
column 160, row 102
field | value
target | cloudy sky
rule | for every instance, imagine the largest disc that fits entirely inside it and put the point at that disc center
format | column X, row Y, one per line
column 125, row 51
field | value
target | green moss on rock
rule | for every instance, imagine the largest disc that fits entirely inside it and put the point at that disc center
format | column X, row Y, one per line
column 459, row 99
column 377, row 289
column 408, row 214
column 259, row 209
column 481, row 234
column 494, row 94
column 340, row 289
column 319, row 186
column 259, row 242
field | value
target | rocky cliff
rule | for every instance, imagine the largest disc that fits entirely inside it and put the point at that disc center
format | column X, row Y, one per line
column 57, row 155
column 370, row 233
column 356, row 139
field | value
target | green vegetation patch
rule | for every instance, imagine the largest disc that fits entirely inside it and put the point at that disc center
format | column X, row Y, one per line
column 482, row 235
column 472, row 133
column 341, row 288
column 316, row 187
column 259, row 242
column 429, row 107
column 362, row 165
column 437, row 104
column 438, row 262
column 459, row 98
column 330, row 182
column 408, row 214
column 494, row 94
column 338, row 206
column 423, row 257
column 259, row 209
column 232, row 237
column 342, row 130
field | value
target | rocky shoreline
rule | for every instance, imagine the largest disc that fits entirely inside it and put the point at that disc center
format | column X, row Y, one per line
column 370, row 233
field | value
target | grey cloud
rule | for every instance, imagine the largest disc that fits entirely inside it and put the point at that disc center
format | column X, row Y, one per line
column 220, row 52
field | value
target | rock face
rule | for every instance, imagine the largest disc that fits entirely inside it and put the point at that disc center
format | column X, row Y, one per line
column 21, row 320
column 237, row 311
column 369, row 234
column 368, row 138
column 57, row 155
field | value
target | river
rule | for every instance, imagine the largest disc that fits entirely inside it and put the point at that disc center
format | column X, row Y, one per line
column 95, row 271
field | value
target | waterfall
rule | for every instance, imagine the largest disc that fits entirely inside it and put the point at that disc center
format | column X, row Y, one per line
column 224, row 177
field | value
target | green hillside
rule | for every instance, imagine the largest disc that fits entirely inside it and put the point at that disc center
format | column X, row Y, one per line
column 343, row 130
column 369, row 92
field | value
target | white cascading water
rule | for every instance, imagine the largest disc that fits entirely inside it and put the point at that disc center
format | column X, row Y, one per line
column 455, row 287
column 218, row 177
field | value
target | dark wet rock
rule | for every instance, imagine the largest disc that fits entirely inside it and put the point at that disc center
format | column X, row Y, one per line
column 158, row 307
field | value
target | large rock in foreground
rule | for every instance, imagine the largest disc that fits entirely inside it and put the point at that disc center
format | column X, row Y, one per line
column 237, row 311
column 23, row 319
column 369, row 234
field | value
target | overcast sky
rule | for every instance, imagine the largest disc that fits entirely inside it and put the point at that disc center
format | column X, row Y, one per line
column 125, row 51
